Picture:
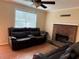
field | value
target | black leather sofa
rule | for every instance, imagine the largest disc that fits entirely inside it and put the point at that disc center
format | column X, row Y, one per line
column 55, row 54
column 20, row 38
column 65, row 52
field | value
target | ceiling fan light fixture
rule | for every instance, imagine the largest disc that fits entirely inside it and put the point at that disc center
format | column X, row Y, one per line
column 37, row 4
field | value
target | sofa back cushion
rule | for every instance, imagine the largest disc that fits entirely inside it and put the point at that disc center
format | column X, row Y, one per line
column 18, row 29
column 27, row 29
column 11, row 30
column 34, row 29
column 23, row 32
column 19, row 34
column 35, row 33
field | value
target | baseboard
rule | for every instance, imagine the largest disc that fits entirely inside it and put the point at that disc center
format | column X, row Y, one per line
column 4, row 43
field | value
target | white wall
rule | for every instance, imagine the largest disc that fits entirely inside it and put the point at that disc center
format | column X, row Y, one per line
column 5, row 21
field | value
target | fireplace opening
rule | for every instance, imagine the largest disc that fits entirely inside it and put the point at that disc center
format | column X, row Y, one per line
column 62, row 38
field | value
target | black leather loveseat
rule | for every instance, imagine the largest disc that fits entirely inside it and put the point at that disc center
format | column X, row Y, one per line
column 20, row 38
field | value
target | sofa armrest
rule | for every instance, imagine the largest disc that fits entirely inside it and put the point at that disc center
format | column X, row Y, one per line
column 13, row 37
column 43, row 33
column 39, row 56
column 11, row 41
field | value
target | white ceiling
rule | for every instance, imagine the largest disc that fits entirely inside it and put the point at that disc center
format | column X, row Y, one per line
column 60, row 4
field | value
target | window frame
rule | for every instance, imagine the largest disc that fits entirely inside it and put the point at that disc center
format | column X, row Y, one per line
column 26, row 19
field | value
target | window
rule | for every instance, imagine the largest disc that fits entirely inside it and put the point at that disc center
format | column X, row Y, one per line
column 25, row 19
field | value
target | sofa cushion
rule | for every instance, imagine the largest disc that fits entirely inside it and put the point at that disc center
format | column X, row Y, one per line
column 27, row 32
column 19, row 34
column 18, row 29
column 35, row 33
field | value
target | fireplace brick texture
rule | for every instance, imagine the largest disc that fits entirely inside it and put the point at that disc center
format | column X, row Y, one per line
column 67, row 30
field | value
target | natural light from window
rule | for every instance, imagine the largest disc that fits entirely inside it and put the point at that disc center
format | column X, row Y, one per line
column 25, row 19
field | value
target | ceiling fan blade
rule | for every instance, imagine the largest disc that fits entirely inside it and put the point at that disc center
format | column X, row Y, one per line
column 48, row 2
column 43, row 6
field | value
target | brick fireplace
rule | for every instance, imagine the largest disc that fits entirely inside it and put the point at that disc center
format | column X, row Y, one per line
column 63, row 34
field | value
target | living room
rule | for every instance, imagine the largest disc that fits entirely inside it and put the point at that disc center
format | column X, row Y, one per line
column 45, row 21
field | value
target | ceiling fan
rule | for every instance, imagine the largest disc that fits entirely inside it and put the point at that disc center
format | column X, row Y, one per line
column 38, row 3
